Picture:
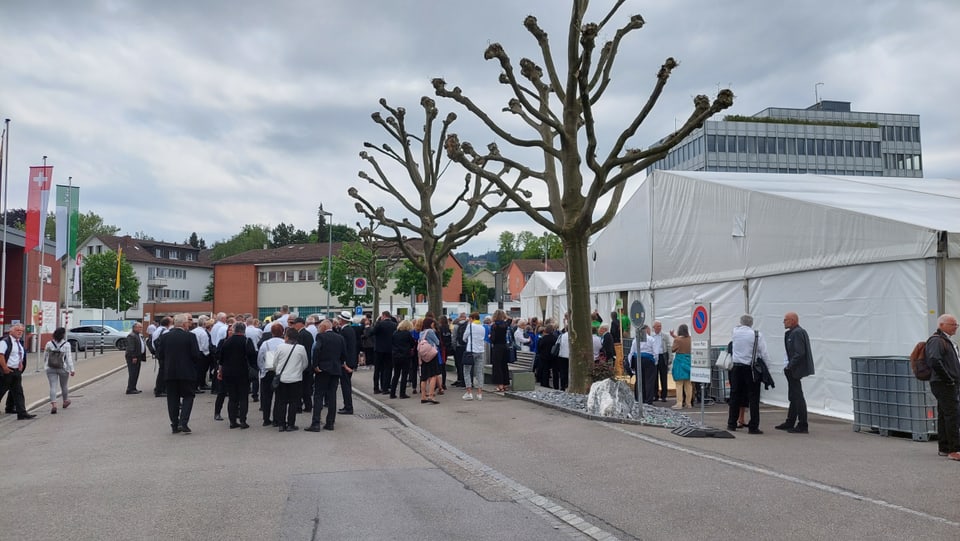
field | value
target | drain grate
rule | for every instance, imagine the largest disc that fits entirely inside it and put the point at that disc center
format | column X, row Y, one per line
column 372, row 415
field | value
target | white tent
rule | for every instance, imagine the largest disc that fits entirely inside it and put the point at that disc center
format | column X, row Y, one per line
column 868, row 263
column 544, row 296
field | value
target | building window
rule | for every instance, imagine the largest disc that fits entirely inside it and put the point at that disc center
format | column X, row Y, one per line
column 173, row 254
column 157, row 252
column 191, row 256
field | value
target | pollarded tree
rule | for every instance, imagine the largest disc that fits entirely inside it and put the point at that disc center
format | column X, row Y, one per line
column 423, row 166
column 558, row 107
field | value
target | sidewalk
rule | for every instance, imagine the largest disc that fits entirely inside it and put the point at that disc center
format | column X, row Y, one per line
column 88, row 368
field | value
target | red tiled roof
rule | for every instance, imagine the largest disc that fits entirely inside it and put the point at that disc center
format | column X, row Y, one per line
column 294, row 253
column 527, row 266
column 140, row 251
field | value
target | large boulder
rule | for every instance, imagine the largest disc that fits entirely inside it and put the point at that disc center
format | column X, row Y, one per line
column 610, row 398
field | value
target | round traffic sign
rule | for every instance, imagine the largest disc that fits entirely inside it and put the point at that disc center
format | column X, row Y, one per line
column 700, row 319
column 638, row 314
column 359, row 283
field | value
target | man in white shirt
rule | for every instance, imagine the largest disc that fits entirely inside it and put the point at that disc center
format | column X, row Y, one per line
column 744, row 387
column 219, row 330
column 203, row 340
column 661, row 352
column 12, row 363
column 284, row 318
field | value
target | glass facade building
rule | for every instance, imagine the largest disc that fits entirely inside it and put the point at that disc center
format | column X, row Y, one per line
column 826, row 138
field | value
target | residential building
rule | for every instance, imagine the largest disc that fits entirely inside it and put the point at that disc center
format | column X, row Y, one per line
column 827, row 138
column 173, row 277
column 259, row 282
column 519, row 271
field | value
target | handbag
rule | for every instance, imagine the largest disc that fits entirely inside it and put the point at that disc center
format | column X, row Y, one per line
column 555, row 349
column 724, row 361
column 276, row 378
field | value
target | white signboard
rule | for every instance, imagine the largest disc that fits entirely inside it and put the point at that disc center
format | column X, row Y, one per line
column 49, row 323
column 700, row 343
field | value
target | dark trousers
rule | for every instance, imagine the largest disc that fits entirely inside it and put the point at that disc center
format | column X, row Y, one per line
column 948, row 438
column 543, row 372
column 662, row 370
column 401, row 373
column 255, row 387
column 797, row 412
column 133, row 375
column 267, row 403
column 238, row 394
column 179, row 401
column 306, row 390
column 13, row 383
column 382, row 368
column 458, row 361
column 346, row 387
column 202, row 367
column 744, row 391
column 288, row 401
column 221, row 396
column 648, row 378
column 325, row 394
column 160, row 387
column 561, row 372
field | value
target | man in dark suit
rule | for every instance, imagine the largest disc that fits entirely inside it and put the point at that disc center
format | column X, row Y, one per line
column 237, row 357
column 382, row 333
column 796, row 343
column 135, row 355
column 305, row 339
column 941, row 354
column 350, row 341
column 179, row 354
column 328, row 359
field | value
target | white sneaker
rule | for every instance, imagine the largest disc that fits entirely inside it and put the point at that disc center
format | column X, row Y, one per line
column 479, row 396
column 467, row 396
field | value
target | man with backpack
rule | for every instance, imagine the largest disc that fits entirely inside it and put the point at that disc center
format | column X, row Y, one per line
column 941, row 356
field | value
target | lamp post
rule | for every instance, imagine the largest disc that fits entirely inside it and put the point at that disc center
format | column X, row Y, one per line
column 327, row 215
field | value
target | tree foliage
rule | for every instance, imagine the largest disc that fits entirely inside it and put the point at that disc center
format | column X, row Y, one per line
column 251, row 237
column 441, row 219
column 576, row 177
column 357, row 261
column 284, row 235
column 408, row 277
column 476, row 292
column 98, row 276
column 196, row 242
column 91, row 225
column 208, row 292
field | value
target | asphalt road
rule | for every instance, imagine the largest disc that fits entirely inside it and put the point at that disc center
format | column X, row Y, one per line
column 498, row 469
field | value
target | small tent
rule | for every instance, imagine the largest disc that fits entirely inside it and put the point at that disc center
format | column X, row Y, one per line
column 868, row 263
column 544, row 296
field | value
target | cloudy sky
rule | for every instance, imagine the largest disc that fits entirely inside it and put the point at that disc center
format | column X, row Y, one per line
column 203, row 116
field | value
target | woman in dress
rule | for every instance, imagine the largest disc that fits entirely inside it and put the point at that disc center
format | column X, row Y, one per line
column 499, row 350
column 429, row 367
column 681, row 367
column 58, row 360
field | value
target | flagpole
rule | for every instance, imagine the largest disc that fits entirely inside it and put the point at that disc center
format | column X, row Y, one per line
column 39, row 324
column 3, row 257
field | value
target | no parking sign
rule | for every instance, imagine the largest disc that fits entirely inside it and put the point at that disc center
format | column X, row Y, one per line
column 700, row 343
column 359, row 286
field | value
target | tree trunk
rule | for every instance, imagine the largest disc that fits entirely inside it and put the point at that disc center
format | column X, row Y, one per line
column 435, row 290
column 578, row 300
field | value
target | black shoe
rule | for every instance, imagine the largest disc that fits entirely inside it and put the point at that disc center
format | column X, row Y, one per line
column 345, row 411
column 312, row 428
column 404, row 396
column 784, row 426
column 268, row 422
column 754, row 431
column 328, row 427
column 134, row 391
column 198, row 391
column 217, row 417
column 293, row 428
column 175, row 429
column 244, row 425
column 185, row 429
column 276, row 424
column 732, row 428
column 376, row 391
column 283, row 428
column 23, row 416
column 255, row 398
column 159, row 395
column 798, row 430
column 393, row 396
column 234, row 425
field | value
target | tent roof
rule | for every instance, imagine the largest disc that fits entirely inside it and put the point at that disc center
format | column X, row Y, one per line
column 544, row 283
column 930, row 203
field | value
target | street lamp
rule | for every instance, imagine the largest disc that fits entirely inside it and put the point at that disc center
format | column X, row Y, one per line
column 326, row 215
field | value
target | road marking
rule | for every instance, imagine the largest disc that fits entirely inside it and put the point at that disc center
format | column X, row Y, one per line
column 778, row 475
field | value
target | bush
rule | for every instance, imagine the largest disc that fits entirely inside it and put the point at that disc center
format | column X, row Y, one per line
column 600, row 371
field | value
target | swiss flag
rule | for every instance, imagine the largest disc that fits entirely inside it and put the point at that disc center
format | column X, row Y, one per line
column 37, row 197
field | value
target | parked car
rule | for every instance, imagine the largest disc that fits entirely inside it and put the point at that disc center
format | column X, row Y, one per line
column 89, row 336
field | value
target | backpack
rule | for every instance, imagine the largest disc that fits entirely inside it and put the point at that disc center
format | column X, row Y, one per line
column 461, row 333
column 426, row 351
column 918, row 361
column 55, row 357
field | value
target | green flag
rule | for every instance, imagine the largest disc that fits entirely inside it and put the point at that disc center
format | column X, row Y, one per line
column 68, row 220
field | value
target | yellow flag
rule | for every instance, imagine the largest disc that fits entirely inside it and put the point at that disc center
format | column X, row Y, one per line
column 119, row 255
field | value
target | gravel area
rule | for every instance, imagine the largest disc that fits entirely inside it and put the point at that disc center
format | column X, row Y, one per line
column 577, row 404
